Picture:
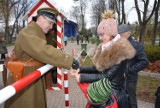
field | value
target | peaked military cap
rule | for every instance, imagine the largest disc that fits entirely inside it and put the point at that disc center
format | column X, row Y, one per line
column 48, row 13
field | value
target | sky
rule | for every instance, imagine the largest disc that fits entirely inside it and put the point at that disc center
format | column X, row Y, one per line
column 62, row 4
column 130, row 14
column 67, row 4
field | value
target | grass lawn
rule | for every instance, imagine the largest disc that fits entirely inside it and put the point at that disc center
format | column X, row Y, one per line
column 146, row 86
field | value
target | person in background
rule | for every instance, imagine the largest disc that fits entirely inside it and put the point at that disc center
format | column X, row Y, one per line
column 134, row 65
column 31, row 47
column 87, row 38
column 3, row 48
column 106, row 76
column 81, row 38
column 77, row 38
column 65, row 40
column 72, row 40
column 157, row 94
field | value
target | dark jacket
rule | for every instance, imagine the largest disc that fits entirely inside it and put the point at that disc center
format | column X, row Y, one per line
column 109, row 64
column 138, row 62
column 114, row 74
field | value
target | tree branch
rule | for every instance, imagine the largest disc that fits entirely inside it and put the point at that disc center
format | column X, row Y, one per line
column 154, row 7
column 138, row 11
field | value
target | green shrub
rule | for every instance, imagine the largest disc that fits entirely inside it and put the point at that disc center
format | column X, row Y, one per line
column 153, row 52
column 92, row 40
column 98, row 41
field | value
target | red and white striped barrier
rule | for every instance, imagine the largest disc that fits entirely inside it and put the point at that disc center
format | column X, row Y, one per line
column 14, row 88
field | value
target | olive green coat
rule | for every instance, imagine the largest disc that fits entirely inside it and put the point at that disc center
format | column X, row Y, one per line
column 32, row 42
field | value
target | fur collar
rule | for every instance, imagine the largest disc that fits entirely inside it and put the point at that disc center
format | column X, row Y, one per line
column 115, row 54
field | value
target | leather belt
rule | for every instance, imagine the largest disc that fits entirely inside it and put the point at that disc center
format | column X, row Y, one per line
column 33, row 64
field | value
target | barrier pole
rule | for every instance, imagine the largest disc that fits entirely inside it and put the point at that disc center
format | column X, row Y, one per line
column 66, row 89
column 14, row 88
column 73, row 52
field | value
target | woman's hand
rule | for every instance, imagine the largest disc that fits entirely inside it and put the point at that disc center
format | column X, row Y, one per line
column 74, row 73
column 77, row 77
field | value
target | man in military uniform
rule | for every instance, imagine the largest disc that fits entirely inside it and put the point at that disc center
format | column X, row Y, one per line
column 31, row 44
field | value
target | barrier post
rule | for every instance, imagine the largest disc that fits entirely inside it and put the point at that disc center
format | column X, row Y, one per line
column 66, row 89
column 59, row 69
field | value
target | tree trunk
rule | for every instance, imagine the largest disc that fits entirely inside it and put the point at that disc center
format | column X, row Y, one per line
column 123, row 13
column 142, row 33
column 7, row 34
column 144, row 18
column 155, row 23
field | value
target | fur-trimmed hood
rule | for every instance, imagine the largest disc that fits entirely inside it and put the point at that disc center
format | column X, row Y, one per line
column 115, row 54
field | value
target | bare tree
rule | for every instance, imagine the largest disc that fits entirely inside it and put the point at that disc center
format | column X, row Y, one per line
column 120, row 9
column 6, row 7
column 155, row 23
column 123, row 12
column 112, row 4
column 82, row 7
column 75, row 14
column 19, row 10
column 144, row 16
column 97, row 8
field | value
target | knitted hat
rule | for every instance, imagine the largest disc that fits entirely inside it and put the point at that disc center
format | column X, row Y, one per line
column 108, row 24
column 100, row 91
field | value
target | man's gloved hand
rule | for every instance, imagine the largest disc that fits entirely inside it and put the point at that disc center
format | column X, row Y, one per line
column 75, row 64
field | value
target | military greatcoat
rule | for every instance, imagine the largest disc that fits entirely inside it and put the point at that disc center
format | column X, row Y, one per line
column 31, row 42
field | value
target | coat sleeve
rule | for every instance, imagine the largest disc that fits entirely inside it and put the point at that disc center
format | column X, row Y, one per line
column 139, row 62
column 90, row 74
column 37, row 48
column 89, row 70
column 93, row 77
column 90, row 78
column 115, row 74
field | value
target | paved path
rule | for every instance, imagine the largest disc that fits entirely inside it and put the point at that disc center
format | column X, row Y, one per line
column 55, row 99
